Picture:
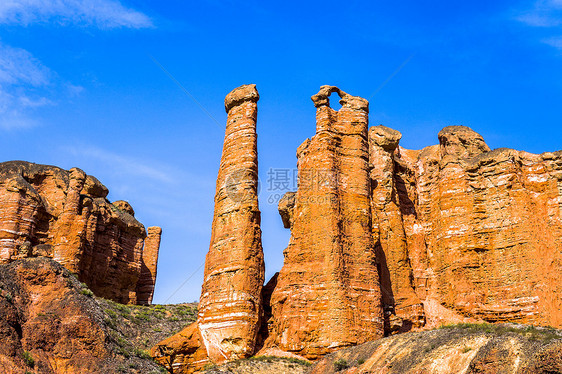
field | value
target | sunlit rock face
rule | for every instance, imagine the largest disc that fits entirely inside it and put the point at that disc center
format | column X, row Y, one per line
column 327, row 294
column 477, row 234
column 230, row 306
column 50, row 212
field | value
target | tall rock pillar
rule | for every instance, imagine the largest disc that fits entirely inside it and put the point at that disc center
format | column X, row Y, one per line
column 147, row 280
column 230, row 304
column 328, row 293
column 70, row 229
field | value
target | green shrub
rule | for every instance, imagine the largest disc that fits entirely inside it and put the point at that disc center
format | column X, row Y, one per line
column 86, row 292
column 340, row 364
column 28, row 359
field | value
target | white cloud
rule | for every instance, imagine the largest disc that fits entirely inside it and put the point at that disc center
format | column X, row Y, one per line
column 100, row 13
column 545, row 13
column 18, row 66
column 20, row 75
column 555, row 42
column 125, row 165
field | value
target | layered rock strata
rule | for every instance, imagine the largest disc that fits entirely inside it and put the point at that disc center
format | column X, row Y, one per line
column 230, row 308
column 147, row 280
column 47, row 211
column 483, row 230
column 328, row 293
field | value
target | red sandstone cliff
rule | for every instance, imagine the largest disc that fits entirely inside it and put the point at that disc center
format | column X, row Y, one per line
column 483, row 230
column 47, row 211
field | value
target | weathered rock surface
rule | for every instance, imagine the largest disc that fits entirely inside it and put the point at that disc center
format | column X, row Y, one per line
column 328, row 294
column 399, row 297
column 477, row 234
column 464, row 350
column 50, row 324
column 147, row 280
column 47, row 211
column 230, row 308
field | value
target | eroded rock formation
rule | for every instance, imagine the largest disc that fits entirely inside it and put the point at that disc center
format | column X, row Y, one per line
column 328, row 294
column 383, row 240
column 49, row 326
column 230, row 307
column 483, row 230
column 47, row 211
column 147, row 280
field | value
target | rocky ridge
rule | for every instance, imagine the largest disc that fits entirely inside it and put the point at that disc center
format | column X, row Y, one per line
column 50, row 212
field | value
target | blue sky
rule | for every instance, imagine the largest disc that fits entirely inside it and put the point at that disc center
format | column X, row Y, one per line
column 80, row 85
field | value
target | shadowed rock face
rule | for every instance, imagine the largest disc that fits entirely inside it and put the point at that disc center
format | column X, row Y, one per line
column 47, row 211
column 327, row 294
column 475, row 233
column 403, row 308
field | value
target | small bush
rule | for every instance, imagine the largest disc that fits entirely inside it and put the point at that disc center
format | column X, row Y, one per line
column 466, row 349
column 86, row 292
column 8, row 297
column 361, row 361
column 340, row 364
column 28, row 359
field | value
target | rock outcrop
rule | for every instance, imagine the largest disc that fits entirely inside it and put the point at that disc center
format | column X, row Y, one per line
column 468, row 349
column 475, row 233
column 47, row 211
column 230, row 308
column 147, row 280
column 328, row 293
column 50, row 323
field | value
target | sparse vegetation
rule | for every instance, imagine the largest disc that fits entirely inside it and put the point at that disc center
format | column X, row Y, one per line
column 275, row 358
column 28, row 359
column 340, row 364
column 361, row 361
column 466, row 349
column 87, row 292
column 531, row 332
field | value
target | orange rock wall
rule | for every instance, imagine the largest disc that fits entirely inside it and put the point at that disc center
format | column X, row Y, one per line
column 483, row 230
column 64, row 215
column 230, row 306
column 327, row 294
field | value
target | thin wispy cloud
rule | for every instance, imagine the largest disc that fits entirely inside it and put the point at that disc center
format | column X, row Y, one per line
column 21, row 75
column 100, row 13
column 124, row 164
column 544, row 14
column 555, row 42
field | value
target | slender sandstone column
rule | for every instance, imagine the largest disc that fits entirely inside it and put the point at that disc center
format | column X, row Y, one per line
column 230, row 304
column 145, row 288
